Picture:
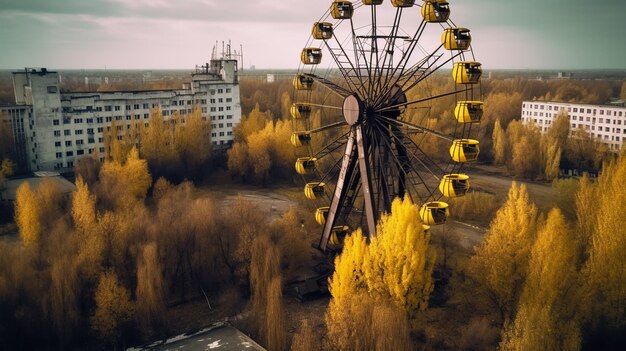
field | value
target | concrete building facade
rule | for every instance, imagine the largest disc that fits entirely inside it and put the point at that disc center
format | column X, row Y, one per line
column 604, row 123
column 54, row 129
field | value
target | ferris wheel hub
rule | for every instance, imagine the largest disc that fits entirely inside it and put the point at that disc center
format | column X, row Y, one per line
column 353, row 109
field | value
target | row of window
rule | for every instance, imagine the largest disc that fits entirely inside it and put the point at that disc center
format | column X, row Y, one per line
column 215, row 134
column 576, row 110
column 221, row 125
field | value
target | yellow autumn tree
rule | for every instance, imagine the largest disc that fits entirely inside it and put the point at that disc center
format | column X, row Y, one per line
column 604, row 273
column 499, row 144
column 114, row 308
column 586, row 210
column 123, row 183
column 393, row 273
column 90, row 234
column 398, row 265
column 552, row 161
column 546, row 317
column 27, row 214
column 500, row 263
column 150, row 296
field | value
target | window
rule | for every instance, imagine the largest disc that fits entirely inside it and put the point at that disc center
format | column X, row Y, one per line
column 220, row 91
column 230, row 133
column 221, row 134
column 220, row 100
column 117, row 108
column 100, row 120
column 55, row 122
column 189, row 102
column 118, row 118
column 229, row 100
column 136, row 106
column 78, row 132
column 79, row 142
column 146, row 106
column 146, row 115
column 52, row 89
column 80, row 152
column 59, row 154
column 213, row 135
column 67, row 132
column 174, row 103
column 69, row 153
column 108, row 108
column 229, row 116
column 57, row 144
column 70, row 164
column 212, row 101
column 227, row 108
column 221, row 108
column 68, row 143
column 109, row 119
column 89, row 120
column 213, row 109
column 91, row 140
column 127, row 107
column 100, row 129
column 57, row 133
column 228, row 91
column 78, row 120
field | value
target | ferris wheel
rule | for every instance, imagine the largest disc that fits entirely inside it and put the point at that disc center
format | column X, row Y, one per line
column 363, row 123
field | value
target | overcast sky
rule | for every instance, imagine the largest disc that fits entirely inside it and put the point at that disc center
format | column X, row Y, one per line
column 550, row 34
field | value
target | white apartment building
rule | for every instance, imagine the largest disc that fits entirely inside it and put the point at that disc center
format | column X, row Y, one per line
column 57, row 128
column 605, row 123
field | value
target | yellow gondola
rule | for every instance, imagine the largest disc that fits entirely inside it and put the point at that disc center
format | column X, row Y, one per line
column 300, row 111
column 466, row 72
column 302, row 82
column 456, row 38
column 305, row 165
column 300, row 138
column 337, row 234
column 434, row 213
column 402, row 3
column 314, row 190
column 468, row 111
column 321, row 214
column 341, row 10
column 311, row 56
column 372, row 2
column 453, row 185
column 322, row 30
column 435, row 11
column 464, row 150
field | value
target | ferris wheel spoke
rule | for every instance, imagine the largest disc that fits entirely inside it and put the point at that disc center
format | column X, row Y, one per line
column 414, row 102
column 388, row 52
column 338, row 90
column 332, row 146
column 418, row 128
column 405, row 168
column 429, row 71
column 398, row 71
column 345, row 65
column 328, row 126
